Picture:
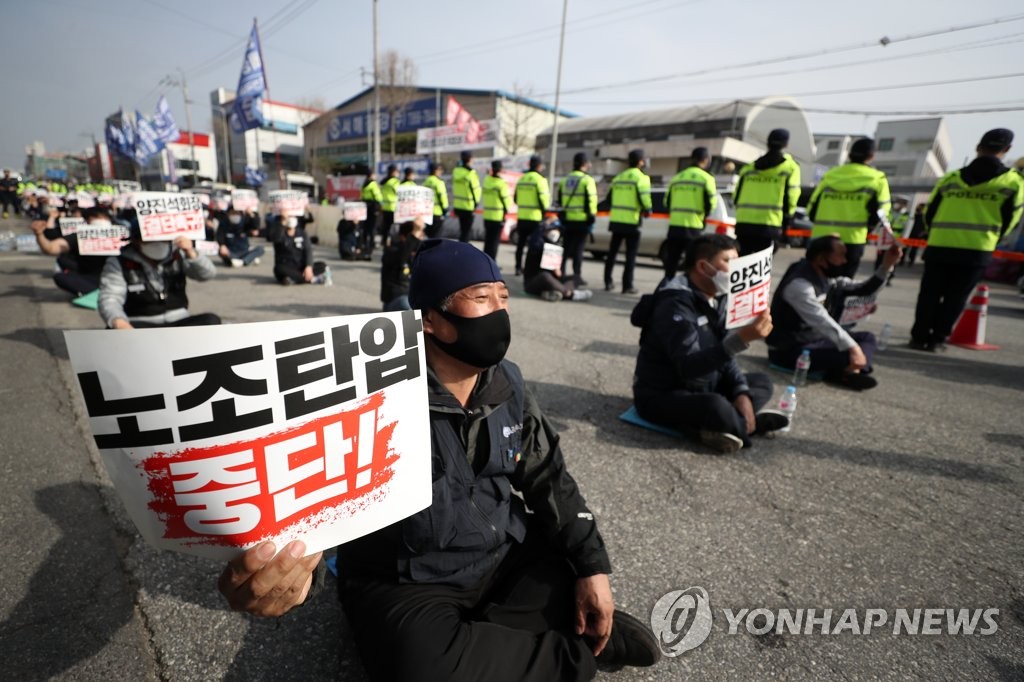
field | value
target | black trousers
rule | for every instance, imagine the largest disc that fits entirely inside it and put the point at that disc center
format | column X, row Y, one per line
column 574, row 240
column 632, row 240
column 754, row 238
column 545, row 281
column 387, row 220
column 693, row 412
column 854, row 255
column 945, row 288
column 465, row 223
column 524, row 228
column 492, row 236
column 679, row 239
column 289, row 272
column 76, row 283
column 825, row 356
column 191, row 321
column 10, row 199
column 518, row 624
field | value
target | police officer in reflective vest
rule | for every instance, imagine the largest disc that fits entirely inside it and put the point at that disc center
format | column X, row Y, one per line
column 497, row 200
column 532, row 197
column 766, row 196
column 690, row 197
column 577, row 195
column 465, row 194
column 435, row 183
column 372, row 196
column 849, row 200
column 388, row 201
column 630, row 199
column 968, row 212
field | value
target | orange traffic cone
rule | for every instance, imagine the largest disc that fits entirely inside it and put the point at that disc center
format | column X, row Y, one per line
column 970, row 329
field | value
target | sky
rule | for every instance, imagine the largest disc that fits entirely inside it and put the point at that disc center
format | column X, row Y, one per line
column 71, row 63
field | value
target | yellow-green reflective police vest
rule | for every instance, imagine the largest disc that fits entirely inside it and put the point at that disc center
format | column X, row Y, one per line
column 532, row 196
column 497, row 198
column 578, row 196
column 690, row 196
column 440, row 194
column 371, row 192
column 631, row 194
column 465, row 188
column 844, row 200
column 762, row 199
column 972, row 217
column 389, row 195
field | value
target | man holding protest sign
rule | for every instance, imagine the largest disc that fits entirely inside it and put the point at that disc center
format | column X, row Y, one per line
column 802, row 320
column 79, row 274
column 472, row 587
column 687, row 377
column 293, row 255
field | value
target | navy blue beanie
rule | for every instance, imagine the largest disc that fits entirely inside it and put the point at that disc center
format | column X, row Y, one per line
column 444, row 266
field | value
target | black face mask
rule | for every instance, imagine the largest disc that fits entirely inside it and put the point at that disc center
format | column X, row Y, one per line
column 481, row 341
column 832, row 271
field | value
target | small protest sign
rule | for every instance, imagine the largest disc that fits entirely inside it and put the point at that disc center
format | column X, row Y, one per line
column 244, row 200
column 551, row 259
column 414, row 202
column 165, row 216
column 69, row 225
column 289, row 202
column 857, row 309
column 750, row 280
column 218, row 438
column 354, row 211
column 101, row 238
column 208, row 247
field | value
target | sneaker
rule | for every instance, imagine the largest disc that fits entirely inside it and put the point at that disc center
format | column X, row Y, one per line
column 855, row 381
column 237, row 262
column 551, row 296
column 921, row 346
column 721, row 442
column 631, row 643
column 769, row 421
column 256, row 261
column 609, row 286
column 630, row 291
column 582, row 295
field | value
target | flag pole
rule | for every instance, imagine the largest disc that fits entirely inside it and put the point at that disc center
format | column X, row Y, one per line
column 273, row 130
column 558, row 93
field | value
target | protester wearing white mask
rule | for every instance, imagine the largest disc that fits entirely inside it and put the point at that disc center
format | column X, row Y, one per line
column 293, row 256
column 233, row 239
column 144, row 286
column 687, row 377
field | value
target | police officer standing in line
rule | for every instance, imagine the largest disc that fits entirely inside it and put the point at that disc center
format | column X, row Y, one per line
column 849, row 200
column 690, row 197
column 968, row 212
column 465, row 194
column 630, row 196
column 577, row 195
column 388, row 201
column 766, row 196
column 497, row 200
column 434, row 182
column 532, row 198
column 372, row 196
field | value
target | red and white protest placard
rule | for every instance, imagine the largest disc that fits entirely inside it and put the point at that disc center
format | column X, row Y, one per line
column 208, row 247
column 414, row 202
column 858, row 309
column 69, row 225
column 355, row 211
column 750, row 281
column 100, row 238
column 551, row 259
column 218, row 438
column 244, row 200
column 85, row 200
column 289, row 202
column 165, row 216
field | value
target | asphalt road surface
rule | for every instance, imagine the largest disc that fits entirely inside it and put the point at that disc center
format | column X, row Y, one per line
column 910, row 496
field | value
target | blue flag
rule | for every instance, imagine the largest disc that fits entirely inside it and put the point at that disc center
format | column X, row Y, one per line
column 254, row 176
column 116, row 141
column 147, row 142
column 163, row 122
column 128, row 132
column 247, row 111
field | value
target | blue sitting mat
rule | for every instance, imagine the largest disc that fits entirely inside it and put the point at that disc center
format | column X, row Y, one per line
column 811, row 376
column 631, row 416
column 90, row 300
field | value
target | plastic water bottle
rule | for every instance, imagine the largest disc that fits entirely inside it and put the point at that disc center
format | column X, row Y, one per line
column 803, row 364
column 787, row 405
column 885, row 336
column 328, row 277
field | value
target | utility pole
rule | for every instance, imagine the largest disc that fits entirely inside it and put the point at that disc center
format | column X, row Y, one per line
column 376, row 84
column 170, row 80
column 558, row 94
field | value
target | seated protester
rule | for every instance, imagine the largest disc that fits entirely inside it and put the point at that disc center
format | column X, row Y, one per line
column 251, row 223
column 293, row 255
column 145, row 285
column 546, row 282
column 473, row 587
column 349, row 240
column 76, row 274
column 233, row 238
column 396, row 265
column 802, row 319
column 687, row 377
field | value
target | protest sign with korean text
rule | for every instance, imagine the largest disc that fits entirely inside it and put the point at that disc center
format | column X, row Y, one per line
column 289, row 202
column 69, row 225
column 244, row 200
column 413, row 202
column 355, row 211
column 551, row 259
column 218, row 438
column 750, row 281
column 858, row 309
column 165, row 216
column 208, row 247
column 100, row 238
